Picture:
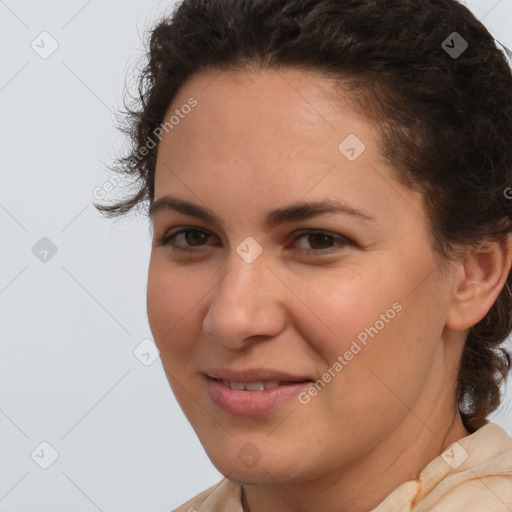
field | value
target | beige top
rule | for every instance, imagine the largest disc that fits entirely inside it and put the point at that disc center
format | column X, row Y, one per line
column 471, row 475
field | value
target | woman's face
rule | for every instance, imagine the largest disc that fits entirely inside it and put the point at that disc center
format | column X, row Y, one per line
column 307, row 271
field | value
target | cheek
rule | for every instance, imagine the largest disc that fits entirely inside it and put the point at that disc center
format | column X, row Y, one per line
column 344, row 308
column 371, row 321
column 172, row 300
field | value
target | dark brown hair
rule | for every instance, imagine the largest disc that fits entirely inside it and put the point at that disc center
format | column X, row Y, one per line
column 445, row 120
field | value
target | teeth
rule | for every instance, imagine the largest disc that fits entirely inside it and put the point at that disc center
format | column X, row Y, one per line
column 239, row 386
column 251, row 386
column 254, row 386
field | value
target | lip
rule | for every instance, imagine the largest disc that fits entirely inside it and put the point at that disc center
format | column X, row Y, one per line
column 252, row 403
column 253, row 375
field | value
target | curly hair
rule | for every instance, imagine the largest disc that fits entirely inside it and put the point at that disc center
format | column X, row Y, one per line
column 444, row 118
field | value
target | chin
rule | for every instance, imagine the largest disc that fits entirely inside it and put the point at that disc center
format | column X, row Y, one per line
column 243, row 463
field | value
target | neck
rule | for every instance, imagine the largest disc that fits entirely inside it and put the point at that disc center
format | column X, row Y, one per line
column 362, row 486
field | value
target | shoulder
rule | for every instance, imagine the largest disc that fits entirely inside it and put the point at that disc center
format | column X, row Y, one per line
column 474, row 474
column 224, row 495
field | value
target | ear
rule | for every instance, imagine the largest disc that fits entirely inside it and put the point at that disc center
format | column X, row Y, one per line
column 481, row 275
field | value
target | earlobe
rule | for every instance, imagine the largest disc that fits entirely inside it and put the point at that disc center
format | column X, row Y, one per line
column 480, row 277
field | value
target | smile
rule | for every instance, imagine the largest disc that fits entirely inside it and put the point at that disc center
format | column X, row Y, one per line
column 252, row 397
column 252, row 386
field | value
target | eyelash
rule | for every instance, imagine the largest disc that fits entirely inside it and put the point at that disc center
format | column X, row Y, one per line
column 168, row 240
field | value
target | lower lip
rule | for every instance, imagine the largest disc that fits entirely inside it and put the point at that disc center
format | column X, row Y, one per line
column 251, row 403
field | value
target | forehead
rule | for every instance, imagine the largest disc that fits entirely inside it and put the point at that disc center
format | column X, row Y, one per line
column 262, row 118
column 267, row 138
column 270, row 96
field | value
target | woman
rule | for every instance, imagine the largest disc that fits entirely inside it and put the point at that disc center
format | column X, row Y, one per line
column 328, row 286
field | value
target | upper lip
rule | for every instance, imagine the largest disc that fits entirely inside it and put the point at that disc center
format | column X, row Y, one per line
column 253, row 375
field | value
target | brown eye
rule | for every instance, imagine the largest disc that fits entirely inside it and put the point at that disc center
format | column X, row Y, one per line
column 185, row 239
column 195, row 237
column 318, row 242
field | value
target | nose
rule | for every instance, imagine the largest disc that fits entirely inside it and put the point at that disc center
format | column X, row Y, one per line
column 246, row 306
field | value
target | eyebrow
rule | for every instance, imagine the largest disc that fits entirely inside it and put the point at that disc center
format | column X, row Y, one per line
column 293, row 212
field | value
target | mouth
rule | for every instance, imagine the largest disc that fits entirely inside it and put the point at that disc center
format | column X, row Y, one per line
column 251, row 393
column 253, row 386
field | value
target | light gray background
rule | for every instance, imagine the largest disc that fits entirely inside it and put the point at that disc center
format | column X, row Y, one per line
column 70, row 325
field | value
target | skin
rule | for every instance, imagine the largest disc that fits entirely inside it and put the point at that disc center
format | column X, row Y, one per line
column 261, row 140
